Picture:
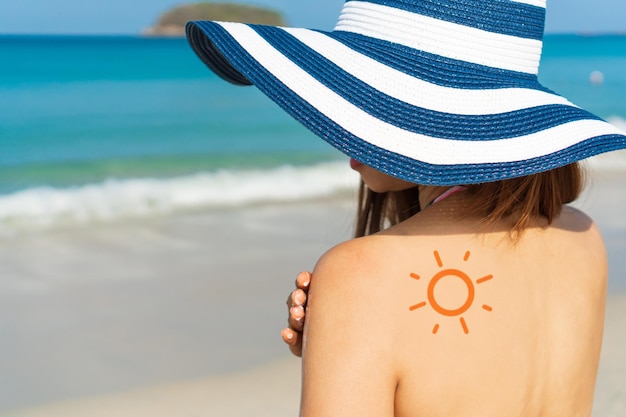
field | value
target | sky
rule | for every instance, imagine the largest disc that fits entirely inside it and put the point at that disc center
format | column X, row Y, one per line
column 131, row 16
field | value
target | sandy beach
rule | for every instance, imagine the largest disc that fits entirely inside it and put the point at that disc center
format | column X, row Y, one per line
column 181, row 315
column 123, row 306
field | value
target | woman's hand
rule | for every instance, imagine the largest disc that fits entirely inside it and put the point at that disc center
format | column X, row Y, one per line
column 296, row 303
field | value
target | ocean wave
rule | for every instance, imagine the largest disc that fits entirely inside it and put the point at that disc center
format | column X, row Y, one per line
column 113, row 200
column 612, row 161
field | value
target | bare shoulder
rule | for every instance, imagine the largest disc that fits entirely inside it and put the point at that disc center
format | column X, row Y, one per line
column 576, row 220
column 580, row 232
column 351, row 258
column 347, row 350
column 353, row 267
column 362, row 281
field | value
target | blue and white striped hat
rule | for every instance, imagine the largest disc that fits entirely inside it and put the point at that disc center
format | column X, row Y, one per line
column 435, row 92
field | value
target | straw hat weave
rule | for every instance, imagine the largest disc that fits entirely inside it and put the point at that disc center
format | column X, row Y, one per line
column 435, row 92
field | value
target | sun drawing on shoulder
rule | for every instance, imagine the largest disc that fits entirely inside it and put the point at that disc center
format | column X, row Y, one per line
column 446, row 274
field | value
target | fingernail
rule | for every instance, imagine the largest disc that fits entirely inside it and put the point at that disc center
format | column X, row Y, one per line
column 299, row 297
column 303, row 279
column 297, row 312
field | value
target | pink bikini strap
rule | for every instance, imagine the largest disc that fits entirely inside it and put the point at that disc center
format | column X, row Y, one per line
column 450, row 191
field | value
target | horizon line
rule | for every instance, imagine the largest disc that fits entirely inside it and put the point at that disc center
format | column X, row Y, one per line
column 142, row 35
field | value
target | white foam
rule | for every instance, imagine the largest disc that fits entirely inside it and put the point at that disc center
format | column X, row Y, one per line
column 135, row 198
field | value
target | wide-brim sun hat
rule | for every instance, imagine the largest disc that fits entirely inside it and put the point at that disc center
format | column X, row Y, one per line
column 435, row 92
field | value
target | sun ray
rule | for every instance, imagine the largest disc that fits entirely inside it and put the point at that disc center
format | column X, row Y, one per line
column 467, row 255
column 483, row 279
column 436, row 328
column 464, row 325
column 486, row 307
column 438, row 259
column 416, row 306
column 414, row 276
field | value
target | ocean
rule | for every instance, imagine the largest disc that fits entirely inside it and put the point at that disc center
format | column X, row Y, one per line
column 102, row 128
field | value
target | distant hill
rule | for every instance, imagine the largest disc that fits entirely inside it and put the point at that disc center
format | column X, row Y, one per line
column 172, row 22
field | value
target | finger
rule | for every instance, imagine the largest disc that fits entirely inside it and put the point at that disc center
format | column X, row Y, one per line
column 298, row 298
column 303, row 280
column 293, row 340
column 296, row 318
column 289, row 336
column 296, row 348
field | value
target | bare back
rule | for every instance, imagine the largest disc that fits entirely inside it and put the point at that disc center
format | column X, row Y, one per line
column 473, row 324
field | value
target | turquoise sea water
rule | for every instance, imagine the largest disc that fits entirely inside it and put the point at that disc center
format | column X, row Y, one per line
column 86, row 122
column 79, row 110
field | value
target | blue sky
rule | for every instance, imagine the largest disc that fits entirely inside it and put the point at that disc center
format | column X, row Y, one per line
column 131, row 16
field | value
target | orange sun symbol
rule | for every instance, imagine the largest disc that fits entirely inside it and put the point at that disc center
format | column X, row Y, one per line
column 454, row 273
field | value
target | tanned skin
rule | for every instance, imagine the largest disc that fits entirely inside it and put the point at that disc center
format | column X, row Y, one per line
column 438, row 316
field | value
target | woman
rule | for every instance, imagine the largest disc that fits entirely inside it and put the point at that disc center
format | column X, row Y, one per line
column 384, row 310
column 474, row 290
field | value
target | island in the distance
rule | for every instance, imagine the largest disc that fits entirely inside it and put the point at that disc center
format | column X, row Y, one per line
column 172, row 22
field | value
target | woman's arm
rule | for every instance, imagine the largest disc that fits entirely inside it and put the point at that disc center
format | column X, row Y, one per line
column 348, row 361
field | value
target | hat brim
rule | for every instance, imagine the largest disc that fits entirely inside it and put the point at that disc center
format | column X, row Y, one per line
column 422, row 118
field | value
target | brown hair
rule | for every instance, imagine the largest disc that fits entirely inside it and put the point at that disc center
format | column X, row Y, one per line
column 528, row 198
column 377, row 211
